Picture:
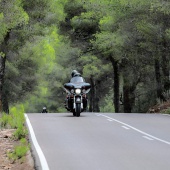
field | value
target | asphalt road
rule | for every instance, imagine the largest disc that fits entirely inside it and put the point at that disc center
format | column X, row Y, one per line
column 102, row 141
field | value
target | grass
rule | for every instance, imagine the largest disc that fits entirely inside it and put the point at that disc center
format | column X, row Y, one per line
column 19, row 151
column 15, row 120
column 167, row 111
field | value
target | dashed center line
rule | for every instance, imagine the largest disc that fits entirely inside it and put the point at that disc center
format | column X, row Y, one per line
column 110, row 120
column 146, row 137
column 125, row 127
column 149, row 137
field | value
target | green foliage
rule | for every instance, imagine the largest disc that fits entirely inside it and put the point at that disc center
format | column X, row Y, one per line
column 17, row 116
column 167, row 111
column 14, row 13
column 19, row 151
column 106, row 105
column 4, row 120
column 109, row 44
column 87, row 22
column 21, row 132
column 3, row 28
column 15, row 120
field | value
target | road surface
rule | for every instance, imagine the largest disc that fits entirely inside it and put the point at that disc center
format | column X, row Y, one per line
column 100, row 141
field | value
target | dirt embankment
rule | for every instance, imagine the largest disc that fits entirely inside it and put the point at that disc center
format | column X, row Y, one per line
column 160, row 108
column 7, row 144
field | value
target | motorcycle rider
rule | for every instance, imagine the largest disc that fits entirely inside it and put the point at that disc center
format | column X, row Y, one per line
column 44, row 110
column 75, row 73
column 75, row 78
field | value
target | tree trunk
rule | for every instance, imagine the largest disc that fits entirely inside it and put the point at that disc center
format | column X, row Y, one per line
column 116, row 84
column 5, row 103
column 94, row 99
column 129, row 87
column 165, row 65
column 158, row 81
column 126, row 99
column 2, row 72
column 3, row 49
column 92, row 92
column 91, row 101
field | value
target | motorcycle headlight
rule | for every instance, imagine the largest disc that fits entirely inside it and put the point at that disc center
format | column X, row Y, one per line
column 78, row 91
column 72, row 90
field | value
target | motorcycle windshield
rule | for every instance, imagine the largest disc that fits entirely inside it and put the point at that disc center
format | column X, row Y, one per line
column 77, row 80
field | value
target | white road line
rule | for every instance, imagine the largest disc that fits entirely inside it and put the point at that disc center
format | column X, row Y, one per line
column 42, row 158
column 144, row 133
column 125, row 127
column 148, row 138
column 110, row 120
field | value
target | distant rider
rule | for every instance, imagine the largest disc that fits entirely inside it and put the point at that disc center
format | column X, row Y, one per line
column 44, row 110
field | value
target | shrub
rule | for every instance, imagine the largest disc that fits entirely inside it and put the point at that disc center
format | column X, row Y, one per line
column 15, row 119
column 4, row 120
column 19, row 151
column 17, row 114
column 20, row 133
column 167, row 111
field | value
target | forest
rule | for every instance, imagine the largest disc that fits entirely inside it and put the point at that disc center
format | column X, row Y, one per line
column 121, row 47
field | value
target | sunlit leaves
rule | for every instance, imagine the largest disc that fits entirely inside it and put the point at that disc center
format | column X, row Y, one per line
column 14, row 13
column 149, row 30
column 110, row 44
column 87, row 22
column 160, row 6
column 3, row 28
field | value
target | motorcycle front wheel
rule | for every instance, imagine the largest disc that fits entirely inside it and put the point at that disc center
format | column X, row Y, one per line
column 74, row 113
column 78, row 109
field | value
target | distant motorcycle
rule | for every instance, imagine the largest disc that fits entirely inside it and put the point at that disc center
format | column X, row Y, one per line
column 76, row 90
column 44, row 110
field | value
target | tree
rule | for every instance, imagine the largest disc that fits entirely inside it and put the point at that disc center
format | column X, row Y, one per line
column 25, row 24
column 12, row 15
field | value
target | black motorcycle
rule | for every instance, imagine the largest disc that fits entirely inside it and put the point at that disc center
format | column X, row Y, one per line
column 76, row 90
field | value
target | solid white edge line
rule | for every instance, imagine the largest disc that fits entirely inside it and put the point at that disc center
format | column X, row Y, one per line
column 144, row 133
column 42, row 158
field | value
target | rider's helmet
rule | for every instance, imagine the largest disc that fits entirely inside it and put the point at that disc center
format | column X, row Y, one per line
column 77, row 75
column 73, row 73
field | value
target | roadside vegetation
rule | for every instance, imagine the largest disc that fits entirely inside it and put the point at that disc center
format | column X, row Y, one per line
column 19, row 151
column 15, row 120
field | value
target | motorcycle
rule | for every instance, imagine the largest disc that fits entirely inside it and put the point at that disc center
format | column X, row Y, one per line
column 76, row 101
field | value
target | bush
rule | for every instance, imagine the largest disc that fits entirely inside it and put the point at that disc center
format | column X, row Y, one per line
column 19, row 151
column 17, row 114
column 20, row 133
column 167, row 111
column 15, row 119
column 4, row 120
column 107, row 104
